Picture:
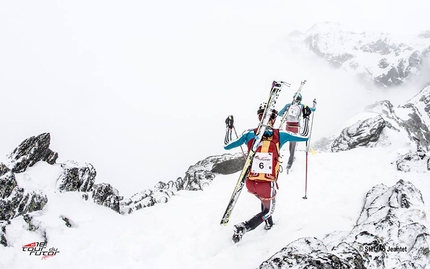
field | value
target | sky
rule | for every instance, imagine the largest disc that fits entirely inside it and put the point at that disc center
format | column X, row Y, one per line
column 145, row 86
column 184, row 233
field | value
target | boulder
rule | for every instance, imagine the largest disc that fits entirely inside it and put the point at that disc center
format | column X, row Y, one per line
column 361, row 133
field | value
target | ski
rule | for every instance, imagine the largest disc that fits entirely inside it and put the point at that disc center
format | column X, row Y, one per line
column 284, row 117
column 262, row 126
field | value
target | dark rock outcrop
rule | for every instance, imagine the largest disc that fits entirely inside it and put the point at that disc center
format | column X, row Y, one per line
column 229, row 166
column 390, row 232
column 106, row 195
column 30, row 151
column 14, row 200
column 3, row 240
column 76, row 177
column 20, row 202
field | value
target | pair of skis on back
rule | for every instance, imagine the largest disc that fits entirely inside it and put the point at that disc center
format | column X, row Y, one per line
column 262, row 126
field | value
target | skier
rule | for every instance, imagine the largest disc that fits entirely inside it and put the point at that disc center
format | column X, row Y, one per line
column 295, row 111
column 262, row 177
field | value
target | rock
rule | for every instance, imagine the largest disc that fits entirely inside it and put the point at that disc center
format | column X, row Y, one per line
column 7, row 184
column 196, row 178
column 30, row 151
column 3, row 240
column 230, row 166
column 415, row 118
column 417, row 161
column 76, row 177
column 361, row 133
column 20, row 202
column 106, row 195
column 68, row 222
column 15, row 201
column 310, row 252
column 390, row 232
column 390, row 62
column 392, row 226
column 412, row 123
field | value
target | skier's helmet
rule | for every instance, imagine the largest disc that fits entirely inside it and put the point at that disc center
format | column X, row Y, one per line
column 261, row 109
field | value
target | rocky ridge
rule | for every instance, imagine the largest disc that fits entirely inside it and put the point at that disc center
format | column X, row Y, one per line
column 409, row 122
column 16, row 201
column 379, row 58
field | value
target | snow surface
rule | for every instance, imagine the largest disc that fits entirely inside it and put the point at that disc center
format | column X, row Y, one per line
column 185, row 232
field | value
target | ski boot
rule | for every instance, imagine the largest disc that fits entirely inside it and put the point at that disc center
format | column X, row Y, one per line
column 288, row 168
column 268, row 224
column 239, row 231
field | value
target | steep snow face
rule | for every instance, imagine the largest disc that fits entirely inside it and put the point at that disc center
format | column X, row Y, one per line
column 380, row 58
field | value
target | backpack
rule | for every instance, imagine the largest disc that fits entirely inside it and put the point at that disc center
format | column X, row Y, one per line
column 294, row 112
column 306, row 112
column 266, row 162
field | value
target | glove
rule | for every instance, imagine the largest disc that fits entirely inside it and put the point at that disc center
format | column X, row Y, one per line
column 229, row 122
column 306, row 112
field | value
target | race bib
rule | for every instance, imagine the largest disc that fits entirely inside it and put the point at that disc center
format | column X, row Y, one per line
column 294, row 111
column 262, row 163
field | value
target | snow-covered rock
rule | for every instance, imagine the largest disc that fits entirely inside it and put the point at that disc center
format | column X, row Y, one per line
column 376, row 57
column 76, row 177
column 417, row 161
column 14, row 200
column 196, row 178
column 390, row 232
column 30, row 151
column 410, row 121
column 415, row 118
column 361, row 133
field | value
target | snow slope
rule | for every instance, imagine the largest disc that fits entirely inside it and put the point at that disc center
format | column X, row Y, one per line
column 185, row 232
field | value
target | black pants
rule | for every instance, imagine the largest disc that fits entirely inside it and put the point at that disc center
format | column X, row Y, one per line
column 292, row 148
column 267, row 208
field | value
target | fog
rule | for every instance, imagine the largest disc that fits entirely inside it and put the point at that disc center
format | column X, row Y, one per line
column 154, row 81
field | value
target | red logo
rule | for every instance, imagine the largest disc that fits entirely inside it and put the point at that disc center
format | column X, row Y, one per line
column 31, row 245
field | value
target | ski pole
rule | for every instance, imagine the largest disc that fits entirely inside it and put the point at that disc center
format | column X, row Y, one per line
column 306, row 174
column 308, row 144
column 229, row 125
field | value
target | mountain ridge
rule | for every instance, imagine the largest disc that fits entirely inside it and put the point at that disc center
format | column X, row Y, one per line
column 381, row 59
